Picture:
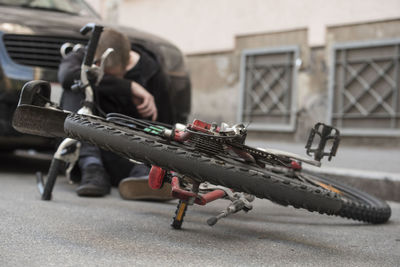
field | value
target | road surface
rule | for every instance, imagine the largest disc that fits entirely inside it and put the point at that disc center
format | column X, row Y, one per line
column 73, row 231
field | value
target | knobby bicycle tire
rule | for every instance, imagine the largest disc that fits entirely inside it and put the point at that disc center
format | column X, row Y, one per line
column 238, row 176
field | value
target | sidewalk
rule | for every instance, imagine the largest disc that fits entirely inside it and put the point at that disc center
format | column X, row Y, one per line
column 372, row 169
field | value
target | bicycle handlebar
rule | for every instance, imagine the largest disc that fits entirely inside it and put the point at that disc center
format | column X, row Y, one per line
column 93, row 41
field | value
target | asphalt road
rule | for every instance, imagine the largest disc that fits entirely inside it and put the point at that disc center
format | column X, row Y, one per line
column 73, row 231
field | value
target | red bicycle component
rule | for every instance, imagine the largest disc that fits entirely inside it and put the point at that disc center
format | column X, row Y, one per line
column 211, row 196
column 197, row 125
column 178, row 192
column 201, row 126
column 182, row 194
column 156, row 177
column 295, row 165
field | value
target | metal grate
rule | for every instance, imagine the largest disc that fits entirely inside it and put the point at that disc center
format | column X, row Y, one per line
column 268, row 91
column 364, row 89
column 37, row 51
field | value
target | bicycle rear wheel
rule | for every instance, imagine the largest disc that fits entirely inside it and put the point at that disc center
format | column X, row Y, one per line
column 279, row 187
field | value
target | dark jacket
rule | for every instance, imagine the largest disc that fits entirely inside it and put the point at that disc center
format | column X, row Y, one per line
column 114, row 94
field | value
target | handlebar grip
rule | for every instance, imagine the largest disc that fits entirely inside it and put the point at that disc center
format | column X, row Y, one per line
column 93, row 41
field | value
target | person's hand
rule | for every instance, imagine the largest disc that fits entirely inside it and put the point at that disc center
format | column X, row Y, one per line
column 144, row 101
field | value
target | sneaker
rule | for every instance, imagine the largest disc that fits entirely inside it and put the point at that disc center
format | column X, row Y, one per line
column 137, row 188
column 95, row 182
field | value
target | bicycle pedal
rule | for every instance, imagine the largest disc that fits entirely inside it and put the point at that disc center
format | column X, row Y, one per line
column 325, row 134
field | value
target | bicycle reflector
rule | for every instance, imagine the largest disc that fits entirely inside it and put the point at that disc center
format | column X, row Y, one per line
column 156, row 177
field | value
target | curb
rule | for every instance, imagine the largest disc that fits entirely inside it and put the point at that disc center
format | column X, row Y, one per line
column 384, row 185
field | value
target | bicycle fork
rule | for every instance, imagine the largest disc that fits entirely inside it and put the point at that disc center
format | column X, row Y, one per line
column 68, row 152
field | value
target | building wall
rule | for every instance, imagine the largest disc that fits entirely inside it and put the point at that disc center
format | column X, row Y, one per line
column 107, row 9
column 215, row 86
column 212, row 25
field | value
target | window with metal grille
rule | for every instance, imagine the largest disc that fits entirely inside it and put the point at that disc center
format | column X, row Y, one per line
column 268, row 88
column 364, row 88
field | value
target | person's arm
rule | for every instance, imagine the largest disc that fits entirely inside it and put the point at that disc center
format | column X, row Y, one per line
column 113, row 86
column 138, row 95
column 144, row 101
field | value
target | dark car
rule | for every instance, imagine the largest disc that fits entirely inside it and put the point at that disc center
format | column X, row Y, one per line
column 31, row 34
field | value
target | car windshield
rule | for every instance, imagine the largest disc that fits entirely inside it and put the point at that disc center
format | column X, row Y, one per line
column 76, row 7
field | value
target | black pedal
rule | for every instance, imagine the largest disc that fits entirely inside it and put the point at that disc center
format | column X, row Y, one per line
column 325, row 133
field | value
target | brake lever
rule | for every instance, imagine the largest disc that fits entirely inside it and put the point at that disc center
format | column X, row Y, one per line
column 93, row 41
column 98, row 71
column 93, row 72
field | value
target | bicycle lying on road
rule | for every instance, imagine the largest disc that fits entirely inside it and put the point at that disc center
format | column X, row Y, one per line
column 202, row 161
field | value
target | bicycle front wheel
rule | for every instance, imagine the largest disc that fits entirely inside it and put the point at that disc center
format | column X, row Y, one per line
column 278, row 187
